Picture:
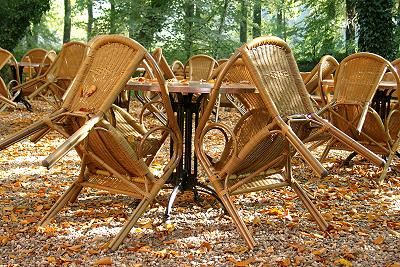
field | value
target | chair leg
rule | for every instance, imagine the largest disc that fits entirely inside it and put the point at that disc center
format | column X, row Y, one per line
column 140, row 209
column 226, row 200
column 326, row 150
column 61, row 202
column 323, row 225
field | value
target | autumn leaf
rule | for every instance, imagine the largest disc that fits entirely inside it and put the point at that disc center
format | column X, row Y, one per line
column 246, row 262
column 343, row 262
column 103, row 261
column 379, row 240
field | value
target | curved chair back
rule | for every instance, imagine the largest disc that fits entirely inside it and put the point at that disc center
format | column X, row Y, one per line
column 178, row 69
column 200, row 67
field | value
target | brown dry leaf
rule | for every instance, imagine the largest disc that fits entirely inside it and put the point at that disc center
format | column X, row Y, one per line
column 269, row 250
column 257, row 220
column 75, row 248
column 319, row 251
column 93, row 251
column 104, row 261
column 285, row 262
column 298, row 260
column 237, row 249
column 207, row 246
column 343, row 262
column 246, row 262
column 379, row 240
column 4, row 240
column 396, row 264
column 144, row 249
column 168, row 242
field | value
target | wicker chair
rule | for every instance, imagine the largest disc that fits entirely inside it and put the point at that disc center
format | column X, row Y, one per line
column 356, row 82
column 109, row 161
column 58, row 76
column 178, row 69
column 238, row 73
column 313, row 82
column 7, row 58
column 200, row 67
column 5, row 97
column 257, row 153
column 151, row 99
column 33, row 56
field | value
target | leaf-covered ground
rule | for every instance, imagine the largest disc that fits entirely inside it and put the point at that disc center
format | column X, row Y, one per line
column 365, row 218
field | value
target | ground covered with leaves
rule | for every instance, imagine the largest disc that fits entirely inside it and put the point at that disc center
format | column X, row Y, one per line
column 365, row 218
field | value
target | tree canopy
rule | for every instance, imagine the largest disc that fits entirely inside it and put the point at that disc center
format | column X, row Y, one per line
column 215, row 27
column 16, row 18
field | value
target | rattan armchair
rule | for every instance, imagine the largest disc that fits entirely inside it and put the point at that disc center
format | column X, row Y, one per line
column 356, row 83
column 178, row 69
column 115, row 156
column 52, row 85
column 200, row 67
column 6, row 99
column 33, row 56
column 258, row 151
column 313, row 82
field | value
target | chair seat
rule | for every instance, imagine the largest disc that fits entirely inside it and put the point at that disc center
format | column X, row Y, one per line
column 114, row 184
column 264, row 181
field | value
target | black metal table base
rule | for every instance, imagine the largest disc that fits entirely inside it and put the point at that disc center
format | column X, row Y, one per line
column 185, row 177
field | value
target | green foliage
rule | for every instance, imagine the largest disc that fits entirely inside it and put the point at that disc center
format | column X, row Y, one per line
column 16, row 17
column 376, row 32
column 320, row 32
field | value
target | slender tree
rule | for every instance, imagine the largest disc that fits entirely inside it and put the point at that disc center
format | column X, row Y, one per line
column 243, row 21
column 257, row 18
column 89, row 7
column 350, row 26
column 112, row 22
column 67, row 21
column 188, row 29
column 223, row 14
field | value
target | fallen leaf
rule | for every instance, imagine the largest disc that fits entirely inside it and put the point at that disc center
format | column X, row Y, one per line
column 246, row 262
column 343, row 262
column 379, row 240
column 103, row 261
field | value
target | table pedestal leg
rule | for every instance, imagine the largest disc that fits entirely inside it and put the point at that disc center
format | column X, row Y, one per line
column 185, row 177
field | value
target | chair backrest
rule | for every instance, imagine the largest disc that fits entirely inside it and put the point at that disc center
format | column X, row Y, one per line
column 47, row 62
column 162, row 63
column 275, row 73
column 200, row 67
column 357, row 77
column 105, row 71
column 325, row 67
column 3, row 89
column 35, row 55
column 68, row 61
column 7, row 58
column 178, row 69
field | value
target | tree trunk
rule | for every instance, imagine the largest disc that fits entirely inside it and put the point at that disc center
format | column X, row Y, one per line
column 67, row 21
column 220, row 28
column 188, row 39
column 113, row 28
column 243, row 21
column 90, row 19
column 257, row 18
column 281, row 21
column 350, row 26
